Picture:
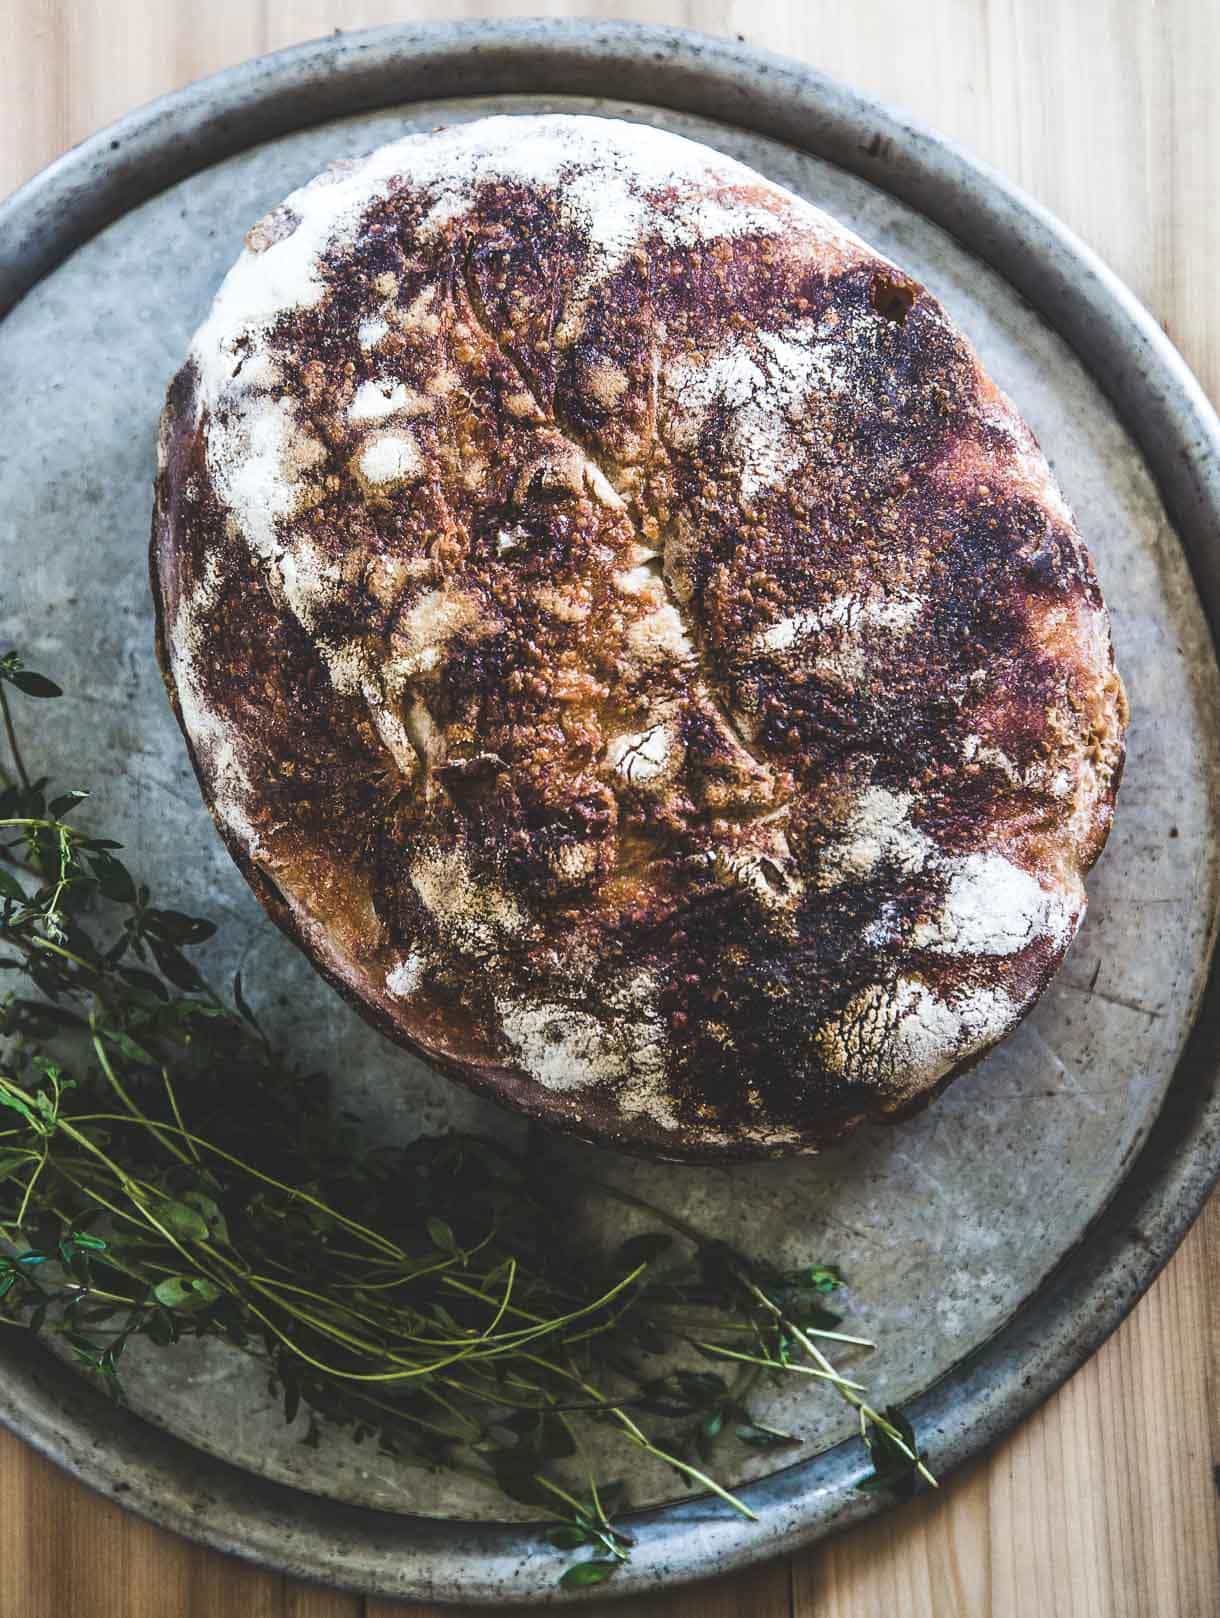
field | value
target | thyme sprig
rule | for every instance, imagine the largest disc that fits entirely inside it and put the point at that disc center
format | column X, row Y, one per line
column 165, row 1174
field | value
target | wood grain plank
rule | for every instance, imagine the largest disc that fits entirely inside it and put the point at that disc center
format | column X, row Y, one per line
column 32, row 54
column 1208, row 1232
column 761, row 1592
column 312, row 1601
column 65, row 1552
column 1103, row 1506
column 1185, row 181
column 930, row 1559
column 219, row 1587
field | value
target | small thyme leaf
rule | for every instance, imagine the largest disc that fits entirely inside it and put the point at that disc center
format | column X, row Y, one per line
column 111, row 876
column 567, row 1537
column 33, row 685
column 181, row 1220
column 825, row 1278
column 894, row 1453
column 186, row 1292
column 59, row 807
column 130, row 1048
column 582, row 1575
column 17, row 1105
column 214, row 1226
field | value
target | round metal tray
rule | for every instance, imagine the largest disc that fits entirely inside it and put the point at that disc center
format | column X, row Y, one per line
column 1104, row 1107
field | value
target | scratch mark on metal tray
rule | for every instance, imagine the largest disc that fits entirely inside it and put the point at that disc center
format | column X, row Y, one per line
column 1110, row 999
column 1069, row 1079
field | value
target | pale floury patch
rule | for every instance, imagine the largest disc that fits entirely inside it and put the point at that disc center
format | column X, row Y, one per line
column 389, row 458
column 404, row 978
column 762, row 382
column 993, row 907
column 905, row 1035
column 471, row 913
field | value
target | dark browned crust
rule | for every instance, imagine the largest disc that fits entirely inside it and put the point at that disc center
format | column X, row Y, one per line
column 927, row 460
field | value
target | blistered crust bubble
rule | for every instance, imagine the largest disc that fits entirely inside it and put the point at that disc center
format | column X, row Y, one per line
column 627, row 640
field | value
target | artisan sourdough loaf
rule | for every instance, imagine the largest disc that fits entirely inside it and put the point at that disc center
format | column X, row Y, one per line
column 626, row 639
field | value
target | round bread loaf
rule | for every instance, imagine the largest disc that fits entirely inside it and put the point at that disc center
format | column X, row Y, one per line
column 626, row 639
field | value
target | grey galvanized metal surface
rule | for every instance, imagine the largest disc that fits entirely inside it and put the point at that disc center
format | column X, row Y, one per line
column 1040, row 1196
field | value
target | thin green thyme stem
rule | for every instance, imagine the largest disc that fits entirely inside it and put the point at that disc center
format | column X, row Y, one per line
column 839, row 1337
column 474, row 1292
column 778, row 1365
column 272, row 1290
column 563, row 1494
column 29, row 1189
column 331, row 1328
column 685, row 1467
column 295, row 1193
column 117, row 1086
column 644, row 1442
column 135, row 1191
column 63, row 838
column 866, row 1411
column 49, row 947
column 173, row 1101
column 409, row 1369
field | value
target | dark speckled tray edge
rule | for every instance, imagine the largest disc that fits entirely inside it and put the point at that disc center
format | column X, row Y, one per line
column 1166, row 412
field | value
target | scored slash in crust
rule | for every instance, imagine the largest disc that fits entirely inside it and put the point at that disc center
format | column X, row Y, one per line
column 627, row 640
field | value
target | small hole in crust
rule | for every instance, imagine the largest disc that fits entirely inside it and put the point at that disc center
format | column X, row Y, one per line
column 773, row 876
column 891, row 298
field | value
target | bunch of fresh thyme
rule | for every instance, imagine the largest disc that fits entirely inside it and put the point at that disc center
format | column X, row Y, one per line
column 166, row 1174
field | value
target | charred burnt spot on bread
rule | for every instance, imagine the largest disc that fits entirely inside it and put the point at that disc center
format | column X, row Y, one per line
column 628, row 641
column 893, row 297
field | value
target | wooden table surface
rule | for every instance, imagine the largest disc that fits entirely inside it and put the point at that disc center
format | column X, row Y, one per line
column 1105, row 1504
